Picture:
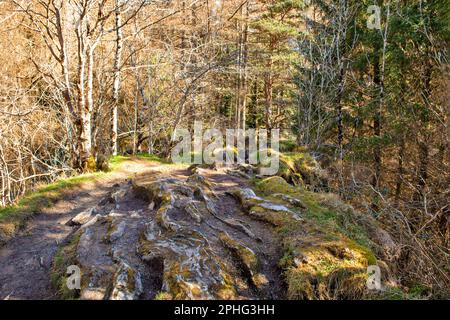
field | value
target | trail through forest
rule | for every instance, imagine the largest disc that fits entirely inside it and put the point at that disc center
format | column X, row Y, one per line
column 226, row 234
column 25, row 261
column 355, row 91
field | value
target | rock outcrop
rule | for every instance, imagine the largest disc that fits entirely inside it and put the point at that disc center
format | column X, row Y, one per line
column 173, row 238
column 190, row 237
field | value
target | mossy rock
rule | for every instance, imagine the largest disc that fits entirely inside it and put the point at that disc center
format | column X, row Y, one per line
column 198, row 180
column 246, row 197
column 276, row 218
column 90, row 165
column 102, row 163
column 275, row 184
column 300, row 168
column 246, row 257
column 7, row 231
column 180, row 283
column 164, row 220
column 128, row 285
column 327, row 270
column 260, row 209
column 186, row 275
column 156, row 191
column 288, row 172
column 327, row 255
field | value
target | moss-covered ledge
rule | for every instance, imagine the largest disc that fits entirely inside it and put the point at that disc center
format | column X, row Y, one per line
column 327, row 254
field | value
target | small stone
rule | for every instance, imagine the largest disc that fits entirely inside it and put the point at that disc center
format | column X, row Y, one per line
column 83, row 217
column 93, row 294
column 291, row 200
column 274, row 207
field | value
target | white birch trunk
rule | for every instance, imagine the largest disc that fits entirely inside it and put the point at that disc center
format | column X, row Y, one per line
column 116, row 85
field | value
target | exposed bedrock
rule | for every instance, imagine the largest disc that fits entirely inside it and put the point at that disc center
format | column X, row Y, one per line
column 172, row 238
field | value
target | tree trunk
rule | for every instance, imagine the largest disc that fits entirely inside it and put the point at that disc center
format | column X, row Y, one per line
column 245, row 67
column 116, row 85
column 377, row 124
column 340, row 115
column 378, row 79
column 238, row 93
column 71, row 115
column 84, row 122
column 268, row 95
column 400, row 170
column 90, row 96
column 135, row 120
column 423, row 143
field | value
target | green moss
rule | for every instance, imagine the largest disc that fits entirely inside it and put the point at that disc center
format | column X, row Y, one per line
column 301, row 161
column 131, row 281
column 287, row 145
column 287, row 260
column 395, row 293
column 332, row 220
column 325, row 270
column 150, row 157
column 65, row 257
column 274, row 184
column 288, row 171
column 419, row 290
column 116, row 161
column 326, row 257
column 91, row 164
column 240, row 252
column 300, row 286
column 163, row 296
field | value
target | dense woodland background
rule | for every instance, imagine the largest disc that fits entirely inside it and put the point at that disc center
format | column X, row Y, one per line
column 81, row 80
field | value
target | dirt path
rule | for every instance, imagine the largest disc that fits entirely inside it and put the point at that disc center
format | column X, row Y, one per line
column 25, row 261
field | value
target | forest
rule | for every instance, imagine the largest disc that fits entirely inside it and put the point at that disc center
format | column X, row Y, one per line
column 357, row 89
